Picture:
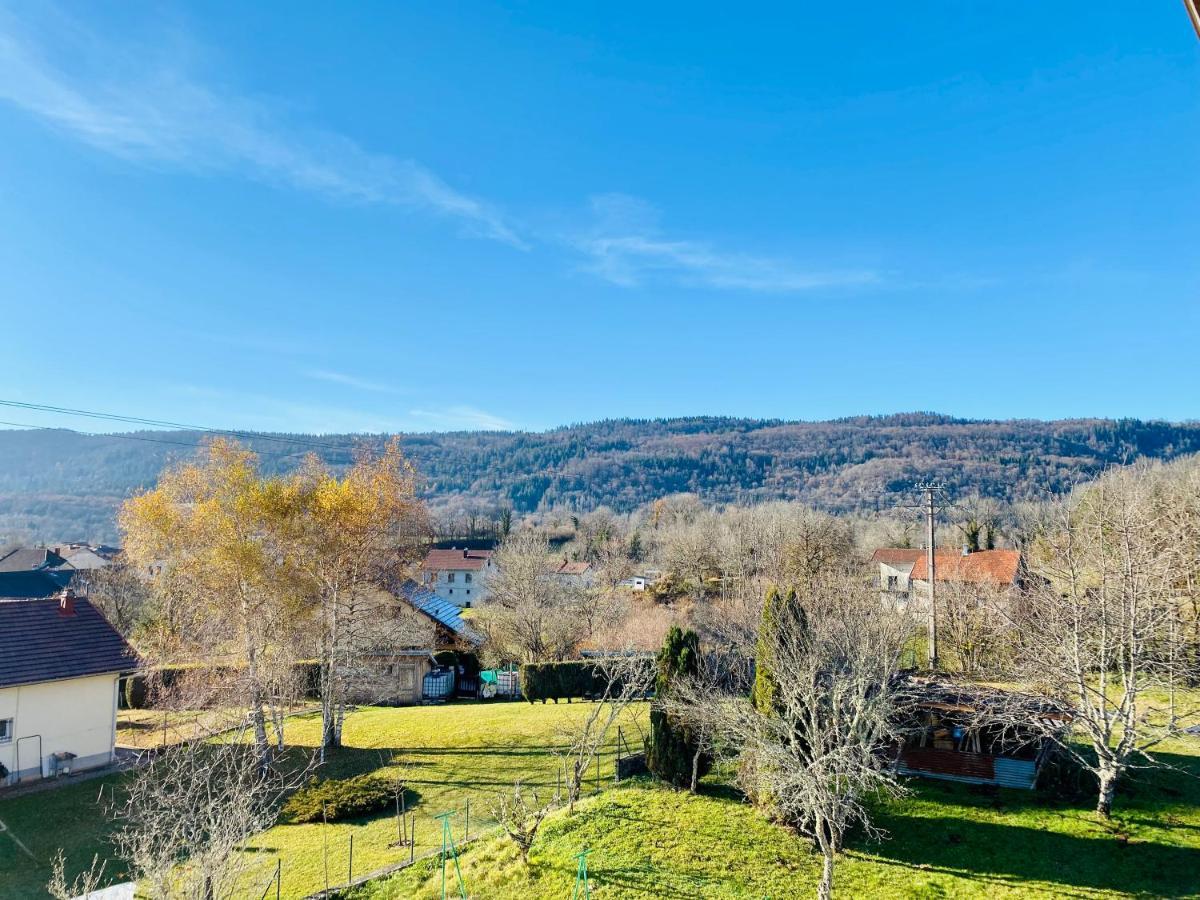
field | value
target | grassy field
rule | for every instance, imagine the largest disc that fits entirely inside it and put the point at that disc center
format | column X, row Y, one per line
column 945, row 840
column 451, row 754
column 646, row 841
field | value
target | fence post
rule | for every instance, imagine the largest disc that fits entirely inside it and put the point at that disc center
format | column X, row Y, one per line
column 412, row 839
column 350, row 868
column 278, row 876
column 620, row 739
column 467, row 828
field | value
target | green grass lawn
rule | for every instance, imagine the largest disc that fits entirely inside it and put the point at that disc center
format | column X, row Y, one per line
column 945, row 840
column 648, row 841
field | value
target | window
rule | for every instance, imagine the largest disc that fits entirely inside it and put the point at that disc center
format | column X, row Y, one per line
column 468, row 592
column 893, row 582
column 451, row 591
column 6, row 730
column 467, row 578
column 450, row 578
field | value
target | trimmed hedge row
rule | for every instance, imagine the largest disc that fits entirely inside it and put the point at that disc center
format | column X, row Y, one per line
column 138, row 690
column 564, row 680
column 332, row 799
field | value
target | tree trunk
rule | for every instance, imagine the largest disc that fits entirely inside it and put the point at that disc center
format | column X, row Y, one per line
column 825, row 888
column 1108, row 787
column 696, row 768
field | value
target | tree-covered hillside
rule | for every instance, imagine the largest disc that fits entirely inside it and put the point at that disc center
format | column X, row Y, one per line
column 62, row 485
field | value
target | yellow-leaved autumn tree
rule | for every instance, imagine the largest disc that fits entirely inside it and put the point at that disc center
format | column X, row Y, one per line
column 352, row 538
column 209, row 532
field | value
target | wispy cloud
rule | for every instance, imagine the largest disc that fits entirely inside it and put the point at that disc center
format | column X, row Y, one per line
column 626, row 248
column 351, row 381
column 162, row 114
column 463, row 417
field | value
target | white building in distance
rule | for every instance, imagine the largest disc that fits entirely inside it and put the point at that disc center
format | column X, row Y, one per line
column 459, row 576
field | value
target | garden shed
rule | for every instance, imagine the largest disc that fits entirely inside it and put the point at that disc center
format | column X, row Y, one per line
column 977, row 734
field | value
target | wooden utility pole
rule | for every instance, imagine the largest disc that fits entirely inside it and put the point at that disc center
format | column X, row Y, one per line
column 931, row 559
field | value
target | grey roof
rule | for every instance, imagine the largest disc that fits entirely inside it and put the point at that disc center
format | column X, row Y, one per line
column 440, row 610
column 29, row 559
column 27, row 585
column 38, row 642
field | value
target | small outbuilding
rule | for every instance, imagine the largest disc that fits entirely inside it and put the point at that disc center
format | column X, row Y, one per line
column 977, row 734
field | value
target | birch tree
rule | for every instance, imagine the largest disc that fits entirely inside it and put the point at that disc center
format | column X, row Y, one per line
column 207, row 529
column 350, row 539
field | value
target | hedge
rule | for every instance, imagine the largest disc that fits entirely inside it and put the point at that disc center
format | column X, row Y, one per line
column 137, row 690
column 333, row 799
column 563, row 680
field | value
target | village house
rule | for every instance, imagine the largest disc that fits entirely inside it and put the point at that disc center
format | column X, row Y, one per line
column 459, row 576
column 396, row 674
column 895, row 568
column 994, row 568
column 904, row 572
column 60, row 661
column 33, row 572
column 575, row 574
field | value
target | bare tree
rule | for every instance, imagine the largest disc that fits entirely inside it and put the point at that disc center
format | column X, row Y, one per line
column 627, row 679
column 189, row 814
column 530, row 615
column 972, row 624
column 121, row 594
column 520, row 814
column 817, row 754
column 1104, row 627
column 82, row 885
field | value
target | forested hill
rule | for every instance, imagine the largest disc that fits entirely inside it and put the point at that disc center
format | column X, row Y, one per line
column 63, row 485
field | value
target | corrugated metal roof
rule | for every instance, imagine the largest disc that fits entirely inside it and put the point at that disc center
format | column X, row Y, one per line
column 439, row 609
column 38, row 642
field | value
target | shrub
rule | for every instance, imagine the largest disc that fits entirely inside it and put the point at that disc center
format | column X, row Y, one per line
column 672, row 747
column 562, row 680
column 334, row 799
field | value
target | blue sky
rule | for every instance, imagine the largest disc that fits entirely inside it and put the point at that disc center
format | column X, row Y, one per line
column 381, row 216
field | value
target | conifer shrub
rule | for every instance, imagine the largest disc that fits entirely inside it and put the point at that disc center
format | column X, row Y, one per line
column 672, row 747
column 332, row 799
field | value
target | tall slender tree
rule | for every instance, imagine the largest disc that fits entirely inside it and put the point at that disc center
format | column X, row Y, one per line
column 674, row 753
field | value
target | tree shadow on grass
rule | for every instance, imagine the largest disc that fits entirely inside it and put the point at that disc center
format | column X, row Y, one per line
column 1013, row 855
column 1116, row 855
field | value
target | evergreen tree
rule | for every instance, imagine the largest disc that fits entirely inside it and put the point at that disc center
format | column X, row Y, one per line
column 672, row 748
column 778, row 611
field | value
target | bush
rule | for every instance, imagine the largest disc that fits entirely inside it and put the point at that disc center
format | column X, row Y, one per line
column 334, row 799
column 673, row 748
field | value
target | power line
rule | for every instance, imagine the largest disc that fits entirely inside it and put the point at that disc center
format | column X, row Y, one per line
column 122, row 436
column 159, row 423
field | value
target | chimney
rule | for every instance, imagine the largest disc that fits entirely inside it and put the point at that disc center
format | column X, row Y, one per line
column 466, row 552
column 66, row 603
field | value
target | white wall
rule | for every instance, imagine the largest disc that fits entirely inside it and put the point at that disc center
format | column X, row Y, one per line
column 78, row 715
column 457, row 591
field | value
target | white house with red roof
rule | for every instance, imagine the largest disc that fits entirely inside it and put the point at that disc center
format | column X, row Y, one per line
column 459, row 576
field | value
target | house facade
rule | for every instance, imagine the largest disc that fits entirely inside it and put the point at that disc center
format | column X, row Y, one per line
column 60, row 661
column 904, row 572
column 895, row 569
column 459, row 576
column 575, row 573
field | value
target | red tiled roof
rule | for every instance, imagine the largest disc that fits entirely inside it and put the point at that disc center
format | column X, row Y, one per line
column 458, row 560
column 573, row 568
column 897, row 556
column 981, row 567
